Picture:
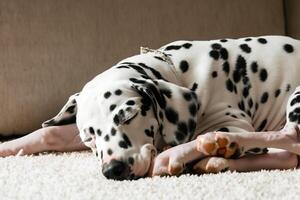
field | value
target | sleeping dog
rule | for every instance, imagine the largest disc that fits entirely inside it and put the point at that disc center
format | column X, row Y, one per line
column 214, row 103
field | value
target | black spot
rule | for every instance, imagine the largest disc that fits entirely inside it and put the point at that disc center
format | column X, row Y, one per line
column 250, row 103
column 295, row 100
column 263, row 74
column 101, row 154
column 183, row 128
column 214, row 54
column 240, row 70
column 139, row 70
column 229, row 85
column 277, row 93
column 127, row 63
column 179, row 135
column 118, row 92
column 149, row 133
column 159, row 58
column 241, row 105
column 109, row 152
column 216, row 46
column 107, row 94
column 224, row 53
column 171, row 115
column 243, row 115
column 235, row 89
column 288, row 87
column 223, row 40
column 160, row 130
column 249, row 113
column 191, row 125
column 234, row 116
column 123, row 67
column 248, row 39
column 227, row 113
column 184, row 66
column 166, row 92
column 172, row 47
column 246, row 81
column 292, row 117
column 161, row 115
column 134, row 80
column 288, row 48
column 254, row 150
column 92, row 131
column 126, row 139
column 123, row 144
column 113, row 131
column 193, row 109
column 187, row 45
column 297, row 110
column 254, row 67
column 226, row 67
column 246, row 91
column 71, row 109
column 262, row 40
column 224, row 129
column 264, row 97
column 116, row 120
column 99, row 132
column 256, row 106
column 130, row 102
column 194, row 87
column 214, row 74
column 112, row 107
column 236, row 154
column 187, row 96
column 245, row 48
column 131, row 160
column 236, row 76
column 262, row 125
column 106, row 138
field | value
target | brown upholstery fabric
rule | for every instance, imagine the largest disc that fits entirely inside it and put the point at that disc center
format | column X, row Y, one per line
column 292, row 8
column 50, row 48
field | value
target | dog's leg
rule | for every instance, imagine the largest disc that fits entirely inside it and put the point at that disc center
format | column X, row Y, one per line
column 278, row 160
column 220, row 143
column 55, row 138
column 172, row 161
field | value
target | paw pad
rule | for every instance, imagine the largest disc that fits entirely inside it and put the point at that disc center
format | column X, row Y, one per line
column 219, row 145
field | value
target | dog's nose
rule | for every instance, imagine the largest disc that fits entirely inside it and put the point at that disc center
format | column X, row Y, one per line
column 117, row 170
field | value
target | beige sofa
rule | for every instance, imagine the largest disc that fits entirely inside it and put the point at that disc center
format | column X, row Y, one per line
column 50, row 48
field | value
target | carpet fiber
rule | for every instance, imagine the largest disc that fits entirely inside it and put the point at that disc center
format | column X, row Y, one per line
column 76, row 176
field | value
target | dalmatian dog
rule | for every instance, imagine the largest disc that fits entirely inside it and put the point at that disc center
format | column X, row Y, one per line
column 218, row 105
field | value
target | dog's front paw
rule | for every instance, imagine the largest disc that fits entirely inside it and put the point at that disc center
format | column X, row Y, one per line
column 211, row 165
column 218, row 144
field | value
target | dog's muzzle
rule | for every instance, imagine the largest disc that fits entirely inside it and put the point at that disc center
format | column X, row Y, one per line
column 116, row 170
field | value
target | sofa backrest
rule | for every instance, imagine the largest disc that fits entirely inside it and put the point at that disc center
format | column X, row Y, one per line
column 292, row 13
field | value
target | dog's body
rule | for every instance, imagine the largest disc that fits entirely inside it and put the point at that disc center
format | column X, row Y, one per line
column 184, row 89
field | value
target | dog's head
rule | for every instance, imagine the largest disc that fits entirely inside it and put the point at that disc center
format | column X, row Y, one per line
column 123, row 122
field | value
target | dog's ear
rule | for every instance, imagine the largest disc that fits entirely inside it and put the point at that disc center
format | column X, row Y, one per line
column 150, row 96
column 175, row 108
column 67, row 115
column 125, row 114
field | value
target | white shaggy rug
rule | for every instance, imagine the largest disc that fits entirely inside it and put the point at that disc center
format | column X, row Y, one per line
column 76, row 176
